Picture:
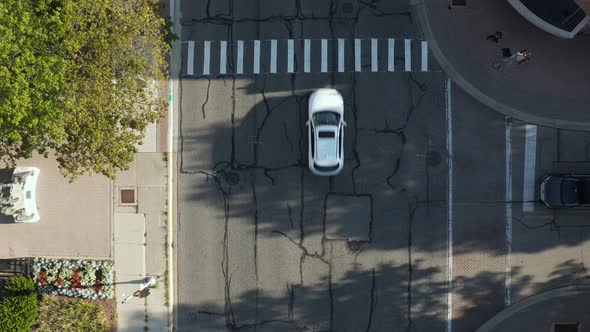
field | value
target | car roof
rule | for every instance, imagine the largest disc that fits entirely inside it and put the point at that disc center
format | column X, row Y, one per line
column 326, row 147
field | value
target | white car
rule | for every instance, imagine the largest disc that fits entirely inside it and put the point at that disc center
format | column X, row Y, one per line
column 325, row 129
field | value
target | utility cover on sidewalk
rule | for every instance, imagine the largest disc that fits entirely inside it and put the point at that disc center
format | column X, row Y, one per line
column 348, row 217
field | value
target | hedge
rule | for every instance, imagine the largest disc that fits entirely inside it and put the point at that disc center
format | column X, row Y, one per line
column 18, row 310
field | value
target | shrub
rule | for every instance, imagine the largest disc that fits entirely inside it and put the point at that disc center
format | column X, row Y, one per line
column 18, row 310
column 64, row 314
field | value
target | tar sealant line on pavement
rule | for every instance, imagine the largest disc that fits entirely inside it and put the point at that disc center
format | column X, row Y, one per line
column 340, row 55
column 307, row 55
column 424, row 66
column 408, row 54
column 530, row 158
column 256, row 64
column 449, row 208
column 357, row 55
column 508, row 170
column 273, row 56
column 240, row 57
column 290, row 55
column 223, row 57
column 190, row 58
column 390, row 54
column 206, row 57
column 324, row 67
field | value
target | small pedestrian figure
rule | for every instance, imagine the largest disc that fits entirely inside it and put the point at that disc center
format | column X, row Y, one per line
column 495, row 37
column 522, row 56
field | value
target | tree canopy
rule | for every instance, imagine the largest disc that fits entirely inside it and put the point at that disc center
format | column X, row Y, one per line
column 77, row 80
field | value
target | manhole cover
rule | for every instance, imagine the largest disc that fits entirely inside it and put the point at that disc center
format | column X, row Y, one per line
column 347, row 7
column 433, row 158
column 354, row 246
column 231, row 178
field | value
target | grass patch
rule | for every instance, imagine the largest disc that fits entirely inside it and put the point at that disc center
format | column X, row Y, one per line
column 60, row 313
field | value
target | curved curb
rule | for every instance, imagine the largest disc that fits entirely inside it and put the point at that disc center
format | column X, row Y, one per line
column 492, row 324
column 419, row 10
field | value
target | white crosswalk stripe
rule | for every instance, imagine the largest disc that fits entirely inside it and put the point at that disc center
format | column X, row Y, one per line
column 357, row 55
column 374, row 55
column 324, row 55
column 307, row 56
column 408, row 55
column 256, row 64
column 390, row 54
column 223, row 57
column 340, row 55
column 290, row 55
column 206, row 57
column 364, row 53
column 191, row 58
column 240, row 58
column 424, row 66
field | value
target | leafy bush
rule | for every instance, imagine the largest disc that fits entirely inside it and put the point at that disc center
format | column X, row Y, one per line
column 18, row 310
column 63, row 314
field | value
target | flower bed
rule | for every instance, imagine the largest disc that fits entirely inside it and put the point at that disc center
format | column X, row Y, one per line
column 76, row 278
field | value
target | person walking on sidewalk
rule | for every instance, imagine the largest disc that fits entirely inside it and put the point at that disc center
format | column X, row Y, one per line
column 495, row 37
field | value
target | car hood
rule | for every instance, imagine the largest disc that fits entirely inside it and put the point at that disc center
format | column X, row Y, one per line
column 326, row 100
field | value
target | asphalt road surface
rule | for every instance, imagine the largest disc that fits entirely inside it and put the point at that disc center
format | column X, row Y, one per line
column 264, row 245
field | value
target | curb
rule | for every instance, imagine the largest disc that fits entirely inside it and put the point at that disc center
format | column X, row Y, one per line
column 520, row 306
column 419, row 10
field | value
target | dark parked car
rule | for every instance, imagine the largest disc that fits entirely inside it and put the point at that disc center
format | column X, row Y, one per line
column 559, row 191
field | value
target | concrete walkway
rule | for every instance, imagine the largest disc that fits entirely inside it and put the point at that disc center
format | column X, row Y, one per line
column 551, row 89
column 140, row 239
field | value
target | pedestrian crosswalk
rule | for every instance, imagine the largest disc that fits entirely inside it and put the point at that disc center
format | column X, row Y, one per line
column 287, row 56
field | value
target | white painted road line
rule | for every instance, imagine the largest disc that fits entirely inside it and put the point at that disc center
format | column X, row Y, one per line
column 424, row 66
column 408, row 54
column 450, row 210
column 530, row 159
column 324, row 56
column 340, row 55
column 190, row 61
column 390, row 54
column 306, row 55
column 508, row 171
column 223, row 57
column 273, row 56
column 256, row 65
column 240, row 60
column 206, row 57
column 357, row 55
column 374, row 54
column 290, row 56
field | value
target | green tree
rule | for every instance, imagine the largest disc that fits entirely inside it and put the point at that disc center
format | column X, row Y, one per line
column 78, row 77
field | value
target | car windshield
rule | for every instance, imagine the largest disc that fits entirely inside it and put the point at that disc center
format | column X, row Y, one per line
column 571, row 191
column 326, row 118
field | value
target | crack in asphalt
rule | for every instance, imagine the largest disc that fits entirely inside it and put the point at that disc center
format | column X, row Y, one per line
column 223, row 167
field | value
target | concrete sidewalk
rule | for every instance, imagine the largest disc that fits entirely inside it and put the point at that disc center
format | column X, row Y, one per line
column 140, row 243
column 551, row 89
column 140, row 237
